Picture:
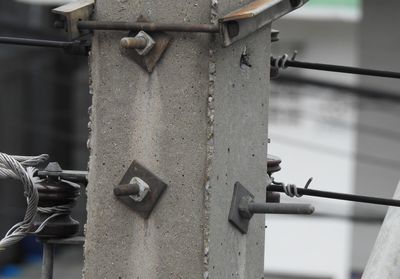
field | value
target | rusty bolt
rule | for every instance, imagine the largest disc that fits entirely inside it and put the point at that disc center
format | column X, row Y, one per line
column 136, row 42
column 143, row 43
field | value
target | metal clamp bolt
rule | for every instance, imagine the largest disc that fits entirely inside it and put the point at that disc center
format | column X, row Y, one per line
column 243, row 208
column 137, row 189
column 142, row 42
column 140, row 189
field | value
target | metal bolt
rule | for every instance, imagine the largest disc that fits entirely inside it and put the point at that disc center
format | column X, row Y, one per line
column 143, row 43
column 129, row 42
column 137, row 189
column 247, row 207
column 126, row 190
column 244, row 209
column 281, row 208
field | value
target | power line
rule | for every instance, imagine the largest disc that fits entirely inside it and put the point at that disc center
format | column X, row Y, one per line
column 291, row 190
column 36, row 42
column 283, row 62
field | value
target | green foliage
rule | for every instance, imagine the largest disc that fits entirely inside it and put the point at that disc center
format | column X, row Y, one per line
column 335, row 3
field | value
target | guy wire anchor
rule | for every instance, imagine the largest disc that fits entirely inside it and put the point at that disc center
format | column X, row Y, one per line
column 292, row 191
column 283, row 62
column 243, row 208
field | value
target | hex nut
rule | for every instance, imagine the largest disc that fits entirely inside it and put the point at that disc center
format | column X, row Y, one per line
column 144, row 189
column 150, row 43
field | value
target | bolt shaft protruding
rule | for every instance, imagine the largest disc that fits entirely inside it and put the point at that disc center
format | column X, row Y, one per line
column 133, row 42
column 126, row 190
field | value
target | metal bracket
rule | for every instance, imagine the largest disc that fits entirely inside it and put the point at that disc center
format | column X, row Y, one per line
column 52, row 171
column 243, row 208
column 74, row 12
column 239, row 192
column 157, row 188
column 232, row 27
column 257, row 14
column 149, row 60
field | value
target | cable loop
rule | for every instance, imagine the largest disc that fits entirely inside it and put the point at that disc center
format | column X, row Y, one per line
column 291, row 189
column 281, row 62
column 22, row 168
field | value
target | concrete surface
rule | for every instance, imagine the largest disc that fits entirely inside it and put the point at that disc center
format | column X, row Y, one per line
column 240, row 100
column 384, row 259
column 199, row 122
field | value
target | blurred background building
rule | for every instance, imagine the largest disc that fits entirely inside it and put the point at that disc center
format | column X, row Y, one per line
column 321, row 125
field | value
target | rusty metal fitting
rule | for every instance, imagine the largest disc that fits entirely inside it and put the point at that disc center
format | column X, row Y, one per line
column 129, row 42
column 143, row 43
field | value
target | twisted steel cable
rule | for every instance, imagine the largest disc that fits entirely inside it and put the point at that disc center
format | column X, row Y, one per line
column 22, row 168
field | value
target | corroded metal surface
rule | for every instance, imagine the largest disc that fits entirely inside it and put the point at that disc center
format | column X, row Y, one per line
column 74, row 12
column 250, row 18
column 251, row 10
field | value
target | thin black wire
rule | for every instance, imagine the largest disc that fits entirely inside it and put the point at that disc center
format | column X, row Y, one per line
column 283, row 62
column 36, row 42
column 337, row 196
column 341, row 69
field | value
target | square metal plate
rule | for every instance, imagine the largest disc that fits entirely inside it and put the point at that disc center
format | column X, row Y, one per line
column 242, row 224
column 150, row 60
column 157, row 188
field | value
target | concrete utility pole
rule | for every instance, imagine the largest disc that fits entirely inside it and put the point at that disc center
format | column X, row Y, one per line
column 198, row 122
